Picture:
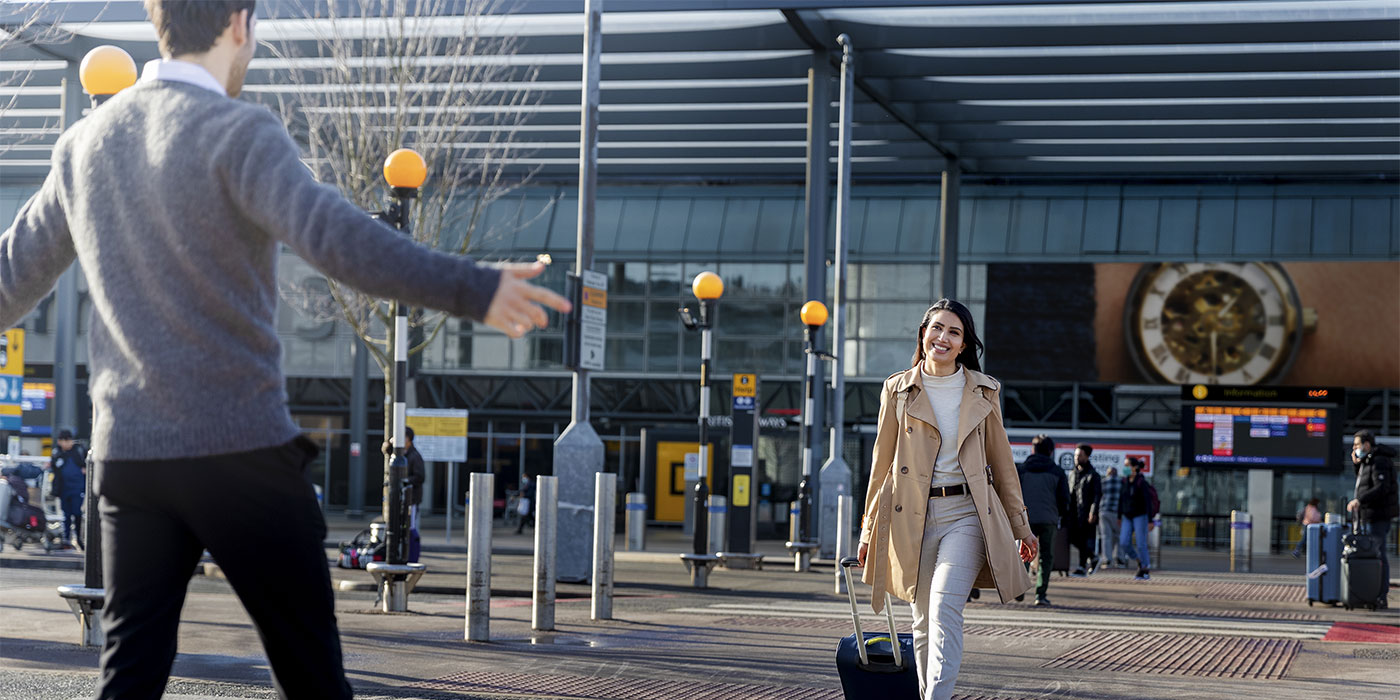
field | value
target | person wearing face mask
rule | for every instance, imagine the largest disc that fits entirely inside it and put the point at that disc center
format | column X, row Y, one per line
column 1139, row 506
column 1375, row 502
column 943, row 511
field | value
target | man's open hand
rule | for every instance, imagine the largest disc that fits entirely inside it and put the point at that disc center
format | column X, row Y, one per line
column 518, row 306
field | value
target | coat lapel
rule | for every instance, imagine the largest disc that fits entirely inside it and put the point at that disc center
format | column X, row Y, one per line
column 974, row 408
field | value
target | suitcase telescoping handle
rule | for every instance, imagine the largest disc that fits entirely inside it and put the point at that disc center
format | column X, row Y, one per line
column 846, row 565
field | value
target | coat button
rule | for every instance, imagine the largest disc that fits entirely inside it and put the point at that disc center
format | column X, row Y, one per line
column 904, row 470
column 899, row 509
column 909, row 429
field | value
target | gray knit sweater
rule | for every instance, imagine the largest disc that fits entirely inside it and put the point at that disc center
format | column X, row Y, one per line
column 174, row 200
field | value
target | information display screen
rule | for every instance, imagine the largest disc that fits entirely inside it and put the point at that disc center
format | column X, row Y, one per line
column 1259, row 437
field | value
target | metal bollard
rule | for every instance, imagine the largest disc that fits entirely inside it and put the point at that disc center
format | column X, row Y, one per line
column 479, row 558
column 636, row 522
column 604, row 522
column 719, row 514
column 801, row 555
column 546, row 531
column 1241, row 541
column 844, row 507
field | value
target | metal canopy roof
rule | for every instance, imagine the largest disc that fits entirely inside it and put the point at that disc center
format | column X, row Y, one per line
column 717, row 90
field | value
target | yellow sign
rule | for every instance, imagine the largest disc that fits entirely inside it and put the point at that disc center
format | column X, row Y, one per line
column 439, row 434
column 741, row 490
column 745, row 384
column 670, row 493
column 12, row 352
column 595, row 297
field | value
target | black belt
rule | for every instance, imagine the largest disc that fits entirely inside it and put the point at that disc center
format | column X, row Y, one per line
column 939, row 491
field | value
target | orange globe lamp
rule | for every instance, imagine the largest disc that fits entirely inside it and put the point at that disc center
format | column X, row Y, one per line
column 813, row 314
column 707, row 286
column 405, row 169
column 106, row 71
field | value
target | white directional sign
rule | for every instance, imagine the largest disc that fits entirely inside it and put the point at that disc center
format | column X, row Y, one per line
column 593, row 320
column 440, row 434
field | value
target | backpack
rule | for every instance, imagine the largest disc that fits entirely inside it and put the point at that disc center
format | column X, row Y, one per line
column 1154, row 505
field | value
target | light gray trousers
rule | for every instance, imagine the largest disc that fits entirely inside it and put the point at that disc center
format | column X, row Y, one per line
column 953, row 554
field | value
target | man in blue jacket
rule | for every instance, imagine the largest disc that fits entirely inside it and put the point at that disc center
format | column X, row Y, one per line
column 68, row 464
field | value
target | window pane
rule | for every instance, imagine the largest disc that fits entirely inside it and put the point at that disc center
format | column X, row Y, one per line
column 627, row 317
column 661, row 351
column 759, row 356
column 547, row 352
column 884, row 357
column 753, row 279
column 628, row 279
column 897, row 282
column 666, row 279
column 751, row 318
column 889, row 319
column 624, row 354
column 664, row 318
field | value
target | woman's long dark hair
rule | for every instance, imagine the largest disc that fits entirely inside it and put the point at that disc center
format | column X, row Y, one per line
column 972, row 345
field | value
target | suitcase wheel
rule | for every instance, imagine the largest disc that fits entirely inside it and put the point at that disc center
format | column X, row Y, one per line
column 1310, row 602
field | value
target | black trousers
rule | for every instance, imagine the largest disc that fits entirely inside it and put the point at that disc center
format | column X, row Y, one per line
column 256, row 513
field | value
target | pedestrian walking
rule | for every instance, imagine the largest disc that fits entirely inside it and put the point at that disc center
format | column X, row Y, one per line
column 1310, row 514
column 1139, row 506
column 1045, row 491
column 1376, row 501
column 525, row 504
column 1109, row 553
column 176, row 200
column 943, row 510
column 1085, row 490
column 417, row 474
column 68, row 464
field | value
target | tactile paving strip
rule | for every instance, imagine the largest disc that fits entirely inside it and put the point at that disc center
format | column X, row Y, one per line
column 1270, row 592
column 1110, row 607
column 629, row 688
column 1182, row 655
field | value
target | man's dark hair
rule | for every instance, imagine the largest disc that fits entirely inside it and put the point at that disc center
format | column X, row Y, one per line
column 408, row 432
column 192, row 26
column 1088, row 449
column 1043, row 445
column 1367, row 437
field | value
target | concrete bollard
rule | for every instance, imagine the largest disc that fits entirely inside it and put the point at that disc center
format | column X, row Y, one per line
column 604, row 522
column 636, row 522
column 1241, row 541
column 801, row 549
column 546, row 532
column 479, row 521
column 844, row 508
column 719, row 514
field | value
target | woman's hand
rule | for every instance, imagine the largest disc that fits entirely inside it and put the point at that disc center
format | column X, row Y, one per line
column 1029, row 548
column 860, row 553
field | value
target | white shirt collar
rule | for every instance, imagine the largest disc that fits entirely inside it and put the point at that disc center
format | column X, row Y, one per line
column 181, row 72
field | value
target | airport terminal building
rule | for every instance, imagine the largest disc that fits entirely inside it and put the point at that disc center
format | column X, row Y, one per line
column 1126, row 181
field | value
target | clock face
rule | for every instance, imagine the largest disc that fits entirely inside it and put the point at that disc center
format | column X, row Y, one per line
column 1213, row 323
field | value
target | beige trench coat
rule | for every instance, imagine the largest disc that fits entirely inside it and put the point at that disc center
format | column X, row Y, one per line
column 906, row 448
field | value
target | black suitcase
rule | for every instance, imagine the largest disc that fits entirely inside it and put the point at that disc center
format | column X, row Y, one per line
column 875, row 667
column 1362, row 583
column 1061, row 552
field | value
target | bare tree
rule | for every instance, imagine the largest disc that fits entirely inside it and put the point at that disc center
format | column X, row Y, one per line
column 27, row 38
column 355, row 87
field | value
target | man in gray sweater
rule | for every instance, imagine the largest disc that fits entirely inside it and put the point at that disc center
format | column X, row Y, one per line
column 175, row 200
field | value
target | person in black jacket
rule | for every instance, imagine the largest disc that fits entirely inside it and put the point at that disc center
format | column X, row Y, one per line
column 1377, row 501
column 1085, row 489
column 416, row 476
column 1137, row 517
column 1045, row 490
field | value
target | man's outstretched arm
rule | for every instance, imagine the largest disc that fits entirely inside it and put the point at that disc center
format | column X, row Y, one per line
column 34, row 251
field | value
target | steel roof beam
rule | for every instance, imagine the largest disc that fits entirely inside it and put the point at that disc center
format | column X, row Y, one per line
column 814, row 32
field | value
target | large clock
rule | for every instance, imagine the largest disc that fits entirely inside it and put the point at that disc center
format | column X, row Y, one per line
column 1213, row 323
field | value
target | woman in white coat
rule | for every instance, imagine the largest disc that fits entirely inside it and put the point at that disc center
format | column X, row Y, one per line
column 943, row 510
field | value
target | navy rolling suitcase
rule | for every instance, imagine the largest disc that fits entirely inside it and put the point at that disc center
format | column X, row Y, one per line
column 1363, row 586
column 1324, row 563
column 874, row 667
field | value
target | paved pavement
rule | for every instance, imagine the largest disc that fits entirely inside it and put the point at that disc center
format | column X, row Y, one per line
column 1193, row 631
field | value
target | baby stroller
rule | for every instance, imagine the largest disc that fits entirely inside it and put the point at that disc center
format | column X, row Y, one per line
column 21, row 522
